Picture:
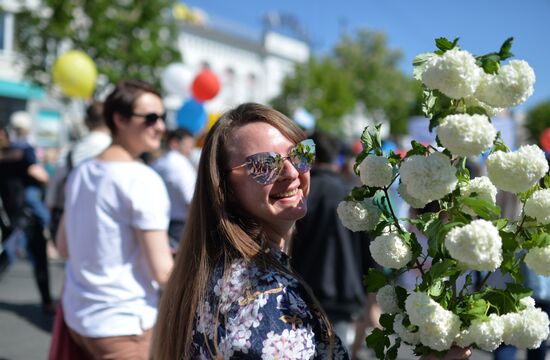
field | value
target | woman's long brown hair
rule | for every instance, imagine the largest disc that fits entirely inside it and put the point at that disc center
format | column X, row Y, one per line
column 217, row 229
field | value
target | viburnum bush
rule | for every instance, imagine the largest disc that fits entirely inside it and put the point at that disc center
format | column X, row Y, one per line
column 466, row 234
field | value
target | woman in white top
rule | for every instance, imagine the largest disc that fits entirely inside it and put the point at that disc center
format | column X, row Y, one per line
column 114, row 232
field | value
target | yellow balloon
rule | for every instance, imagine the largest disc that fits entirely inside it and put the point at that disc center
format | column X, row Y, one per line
column 212, row 118
column 75, row 73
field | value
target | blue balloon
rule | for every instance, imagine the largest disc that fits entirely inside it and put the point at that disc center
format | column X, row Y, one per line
column 191, row 116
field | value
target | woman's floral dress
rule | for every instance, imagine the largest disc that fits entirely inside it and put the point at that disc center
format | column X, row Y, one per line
column 257, row 313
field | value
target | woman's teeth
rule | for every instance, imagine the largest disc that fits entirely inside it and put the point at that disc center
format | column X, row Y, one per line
column 285, row 194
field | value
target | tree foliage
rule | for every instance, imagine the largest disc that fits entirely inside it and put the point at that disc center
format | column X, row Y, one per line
column 538, row 119
column 125, row 38
column 361, row 68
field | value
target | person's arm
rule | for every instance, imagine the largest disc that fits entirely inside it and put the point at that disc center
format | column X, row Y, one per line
column 157, row 252
column 61, row 239
column 454, row 353
column 37, row 172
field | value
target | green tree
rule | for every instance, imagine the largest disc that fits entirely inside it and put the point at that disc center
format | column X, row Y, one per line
column 361, row 68
column 538, row 119
column 125, row 38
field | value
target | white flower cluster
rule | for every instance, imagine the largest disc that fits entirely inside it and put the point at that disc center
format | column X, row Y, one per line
column 405, row 334
column 413, row 202
column 487, row 334
column 473, row 102
column 484, row 189
column 517, row 171
column 510, row 87
column 290, row 344
column 358, row 216
column 477, row 244
column 428, row 177
column 538, row 260
column 375, row 171
column 437, row 327
column 466, row 135
column 387, row 299
column 390, row 251
column 454, row 73
column 526, row 329
column 538, row 206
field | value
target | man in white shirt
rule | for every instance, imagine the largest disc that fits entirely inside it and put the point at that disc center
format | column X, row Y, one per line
column 179, row 176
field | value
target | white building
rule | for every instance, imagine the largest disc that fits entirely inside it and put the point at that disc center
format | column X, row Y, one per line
column 249, row 70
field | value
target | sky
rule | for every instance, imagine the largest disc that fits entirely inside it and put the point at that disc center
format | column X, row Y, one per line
column 412, row 25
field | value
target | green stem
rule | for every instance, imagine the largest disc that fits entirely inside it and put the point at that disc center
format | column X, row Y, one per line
column 485, row 279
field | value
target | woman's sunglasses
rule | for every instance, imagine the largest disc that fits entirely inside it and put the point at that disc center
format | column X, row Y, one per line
column 266, row 167
column 151, row 118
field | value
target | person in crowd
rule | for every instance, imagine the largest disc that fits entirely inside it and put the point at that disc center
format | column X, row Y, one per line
column 113, row 232
column 232, row 293
column 179, row 176
column 330, row 258
column 21, row 187
column 94, row 143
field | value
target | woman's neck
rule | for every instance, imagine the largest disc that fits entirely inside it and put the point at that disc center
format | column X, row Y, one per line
column 118, row 151
column 280, row 238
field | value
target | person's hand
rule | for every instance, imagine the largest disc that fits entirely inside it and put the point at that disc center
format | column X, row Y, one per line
column 455, row 353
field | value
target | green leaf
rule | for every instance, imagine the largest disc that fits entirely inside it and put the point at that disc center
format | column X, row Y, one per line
column 483, row 208
column 490, row 65
column 417, row 149
column 442, row 269
column 472, row 309
column 386, row 320
column 374, row 280
column 358, row 160
column 509, row 243
column 517, row 291
column 431, row 232
column 499, row 145
column 538, row 240
column 504, row 52
column 378, row 341
column 394, row 159
column 366, row 139
column 444, row 44
column 392, row 351
column 501, row 223
column 401, row 294
column 546, row 181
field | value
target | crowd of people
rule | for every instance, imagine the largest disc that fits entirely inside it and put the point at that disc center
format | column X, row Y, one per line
column 242, row 256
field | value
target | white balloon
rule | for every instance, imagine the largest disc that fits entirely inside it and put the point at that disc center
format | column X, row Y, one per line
column 176, row 79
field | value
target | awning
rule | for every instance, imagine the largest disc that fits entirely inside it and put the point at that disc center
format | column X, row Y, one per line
column 20, row 90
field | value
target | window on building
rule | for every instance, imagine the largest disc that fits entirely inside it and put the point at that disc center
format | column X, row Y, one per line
column 252, row 88
column 7, row 107
column 229, row 86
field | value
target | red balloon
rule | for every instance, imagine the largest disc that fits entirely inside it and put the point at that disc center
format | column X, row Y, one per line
column 205, row 86
column 545, row 140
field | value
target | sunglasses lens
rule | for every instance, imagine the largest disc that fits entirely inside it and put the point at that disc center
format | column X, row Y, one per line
column 303, row 156
column 264, row 168
column 151, row 119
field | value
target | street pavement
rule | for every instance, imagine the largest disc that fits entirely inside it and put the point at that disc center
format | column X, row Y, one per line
column 25, row 331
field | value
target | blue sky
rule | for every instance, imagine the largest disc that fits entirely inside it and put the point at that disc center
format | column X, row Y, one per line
column 411, row 26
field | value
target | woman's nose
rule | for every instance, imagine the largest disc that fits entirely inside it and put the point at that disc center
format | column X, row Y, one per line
column 288, row 171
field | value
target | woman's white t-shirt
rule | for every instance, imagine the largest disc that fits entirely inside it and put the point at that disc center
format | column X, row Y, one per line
column 109, row 290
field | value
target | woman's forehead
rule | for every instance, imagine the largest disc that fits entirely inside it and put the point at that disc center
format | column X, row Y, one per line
column 259, row 137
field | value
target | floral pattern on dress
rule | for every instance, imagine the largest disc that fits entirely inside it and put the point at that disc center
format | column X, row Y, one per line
column 258, row 313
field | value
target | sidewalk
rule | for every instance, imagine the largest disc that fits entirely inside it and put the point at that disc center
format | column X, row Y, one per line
column 24, row 329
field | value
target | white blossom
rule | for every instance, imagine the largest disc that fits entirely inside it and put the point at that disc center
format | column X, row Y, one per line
column 486, row 333
column 358, row 216
column 428, row 177
column 478, row 245
column 389, row 250
column 510, row 87
column 538, row 206
column 526, row 329
column 538, row 260
column 473, row 102
column 466, row 135
column 454, row 73
column 405, row 334
column 412, row 201
column 528, row 301
column 517, row 171
column 375, row 171
column 437, row 327
column 481, row 186
column 387, row 299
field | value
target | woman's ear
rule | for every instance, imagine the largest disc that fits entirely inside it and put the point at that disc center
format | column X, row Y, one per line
column 120, row 120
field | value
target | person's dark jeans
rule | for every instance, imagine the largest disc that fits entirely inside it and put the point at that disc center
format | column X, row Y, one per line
column 36, row 245
column 508, row 352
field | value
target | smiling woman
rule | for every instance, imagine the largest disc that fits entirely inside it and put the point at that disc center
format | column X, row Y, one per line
column 232, row 292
